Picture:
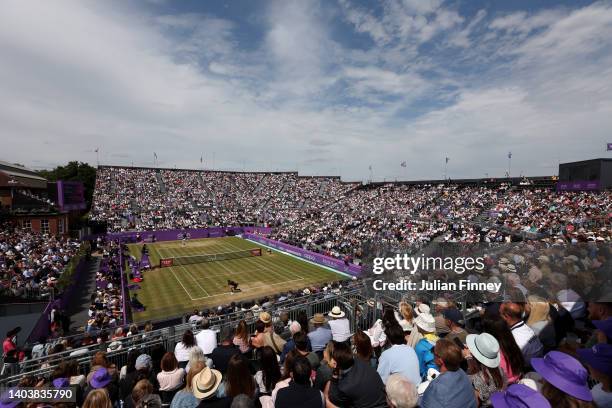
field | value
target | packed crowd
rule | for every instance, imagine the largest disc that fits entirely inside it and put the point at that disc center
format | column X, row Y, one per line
column 325, row 215
column 31, row 263
column 413, row 355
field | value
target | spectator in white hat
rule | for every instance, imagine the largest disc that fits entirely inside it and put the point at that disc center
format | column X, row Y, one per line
column 339, row 325
column 483, row 366
column 426, row 325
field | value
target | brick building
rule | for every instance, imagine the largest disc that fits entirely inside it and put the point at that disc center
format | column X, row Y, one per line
column 24, row 201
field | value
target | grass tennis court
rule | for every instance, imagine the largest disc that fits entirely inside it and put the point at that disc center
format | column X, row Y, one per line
column 181, row 288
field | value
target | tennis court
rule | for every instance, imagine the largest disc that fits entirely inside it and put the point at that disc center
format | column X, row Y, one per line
column 178, row 289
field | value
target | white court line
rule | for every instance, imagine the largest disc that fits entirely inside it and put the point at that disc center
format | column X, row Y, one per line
column 181, row 283
column 196, row 282
column 228, row 274
column 249, row 288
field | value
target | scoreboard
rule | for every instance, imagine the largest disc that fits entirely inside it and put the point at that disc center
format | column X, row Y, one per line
column 69, row 195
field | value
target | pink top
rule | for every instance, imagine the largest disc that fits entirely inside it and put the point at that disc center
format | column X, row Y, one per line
column 242, row 345
column 505, row 366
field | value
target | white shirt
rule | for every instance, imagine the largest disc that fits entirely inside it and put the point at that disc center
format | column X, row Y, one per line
column 527, row 341
column 206, row 340
column 340, row 328
column 182, row 352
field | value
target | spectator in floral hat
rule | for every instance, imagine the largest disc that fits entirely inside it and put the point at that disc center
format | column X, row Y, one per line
column 564, row 380
column 598, row 359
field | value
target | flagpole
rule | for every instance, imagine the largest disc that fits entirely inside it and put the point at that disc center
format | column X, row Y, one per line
column 98, row 156
column 509, row 163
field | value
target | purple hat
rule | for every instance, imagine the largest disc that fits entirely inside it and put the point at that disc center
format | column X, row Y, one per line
column 100, row 378
column 6, row 401
column 519, row 396
column 605, row 326
column 61, row 383
column 565, row 373
column 599, row 357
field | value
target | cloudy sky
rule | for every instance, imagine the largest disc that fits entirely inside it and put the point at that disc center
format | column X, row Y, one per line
column 324, row 87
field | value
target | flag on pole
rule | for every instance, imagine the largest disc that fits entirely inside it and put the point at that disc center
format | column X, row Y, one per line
column 509, row 155
column 201, row 159
column 609, row 146
column 447, row 159
column 370, row 167
column 97, row 148
column 155, row 155
column 403, row 164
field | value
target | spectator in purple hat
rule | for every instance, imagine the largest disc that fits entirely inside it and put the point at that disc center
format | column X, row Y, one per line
column 101, row 378
column 602, row 312
column 564, row 380
column 519, row 396
column 599, row 361
column 604, row 330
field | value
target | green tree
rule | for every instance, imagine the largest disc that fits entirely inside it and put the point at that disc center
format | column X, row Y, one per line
column 74, row 171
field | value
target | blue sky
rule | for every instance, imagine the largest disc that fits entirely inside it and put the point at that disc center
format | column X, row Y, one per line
column 323, row 87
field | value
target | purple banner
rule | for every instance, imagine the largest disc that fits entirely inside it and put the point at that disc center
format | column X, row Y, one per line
column 609, row 146
column 177, row 234
column 577, row 185
column 320, row 259
column 70, row 195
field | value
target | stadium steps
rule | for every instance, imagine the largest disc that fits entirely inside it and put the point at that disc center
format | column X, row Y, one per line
column 160, row 181
column 323, row 187
column 78, row 305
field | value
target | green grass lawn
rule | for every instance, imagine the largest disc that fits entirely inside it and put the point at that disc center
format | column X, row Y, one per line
column 168, row 292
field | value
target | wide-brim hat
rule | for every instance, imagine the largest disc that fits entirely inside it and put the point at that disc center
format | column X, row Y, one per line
column 7, row 401
column 61, row 382
column 484, row 348
column 318, row 318
column 605, row 326
column 205, row 383
column 336, row 312
column 565, row 373
column 599, row 357
column 265, row 317
column 100, row 378
column 519, row 396
column 426, row 322
column 422, row 308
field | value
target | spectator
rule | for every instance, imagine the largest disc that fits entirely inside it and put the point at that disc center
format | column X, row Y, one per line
column 294, row 327
column 564, row 380
column 399, row 358
column 206, row 339
column 238, row 380
column 320, row 335
column 452, row 388
column 98, row 399
column 241, row 337
column 426, row 325
column 171, row 376
column 405, row 318
column 183, row 348
column 339, row 325
column 102, row 379
column 512, row 362
column 483, row 366
column 185, row 398
column 325, row 371
column 143, row 395
column 598, row 359
column 401, row 393
column 196, row 355
column 269, row 371
column 363, row 348
column 265, row 336
column 525, row 338
column 301, row 345
column 540, row 322
column 144, row 370
column 354, row 383
column 204, row 386
column 300, row 393
column 223, row 353
column 454, row 321
column 286, row 374
column 519, row 396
